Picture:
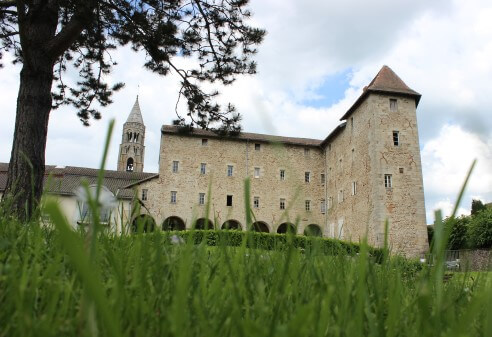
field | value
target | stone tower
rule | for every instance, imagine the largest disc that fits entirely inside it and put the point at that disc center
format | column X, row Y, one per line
column 132, row 149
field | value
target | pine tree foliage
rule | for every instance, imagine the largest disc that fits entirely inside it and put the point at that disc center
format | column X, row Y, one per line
column 214, row 32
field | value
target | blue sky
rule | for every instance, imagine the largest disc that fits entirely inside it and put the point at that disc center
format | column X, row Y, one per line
column 313, row 64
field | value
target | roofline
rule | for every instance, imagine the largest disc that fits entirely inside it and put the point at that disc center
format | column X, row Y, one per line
column 366, row 93
column 334, row 133
column 141, row 181
column 243, row 138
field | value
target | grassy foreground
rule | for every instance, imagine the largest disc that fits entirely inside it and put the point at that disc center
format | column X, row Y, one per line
column 62, row 283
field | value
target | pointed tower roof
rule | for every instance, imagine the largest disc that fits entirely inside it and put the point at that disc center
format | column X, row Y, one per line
column 135, row 115
column 385, row 82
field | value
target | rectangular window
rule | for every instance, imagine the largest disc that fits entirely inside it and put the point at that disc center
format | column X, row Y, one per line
column 203, row 168
column 340, row 196
column 393, row 104
column 282, row 174
column 144, row 194
column 307, row 205
column 401, row 169
column 307, row 151
column 174, row 197
column 282, row 203
column 323, row 179
column 204, row 141
column 387, row 181
column 256, row 202
column 175, row 166
column 396, row 138
column 257, row 172
column 229, row 200
column 330, row 202
column 257, row 147
column 307, row 176
column 201, row 198
column 229, row 170
column 354, row 187
column 323, row 206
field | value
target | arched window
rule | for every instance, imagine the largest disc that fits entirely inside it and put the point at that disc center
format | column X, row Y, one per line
column 313, row 230
column 232, row 225
column 286, row 227
column 260, row 226
column 144, row 222
column 173, row 223
column 129, row 165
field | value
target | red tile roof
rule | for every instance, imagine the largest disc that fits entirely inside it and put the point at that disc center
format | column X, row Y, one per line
column 386, row 82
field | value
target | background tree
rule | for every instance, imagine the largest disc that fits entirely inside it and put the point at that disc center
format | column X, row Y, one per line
column 477, row 206
column 480, row 229
column 47, row 36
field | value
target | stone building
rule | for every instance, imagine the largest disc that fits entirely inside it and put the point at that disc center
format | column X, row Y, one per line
column 365, row 173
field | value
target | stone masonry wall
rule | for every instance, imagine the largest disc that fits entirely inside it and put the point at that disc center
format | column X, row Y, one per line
column 188, row 182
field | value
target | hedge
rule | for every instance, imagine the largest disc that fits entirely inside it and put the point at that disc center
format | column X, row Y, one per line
column 271, row 241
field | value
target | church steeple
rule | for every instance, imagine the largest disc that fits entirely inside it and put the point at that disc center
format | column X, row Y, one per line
column 132, row 149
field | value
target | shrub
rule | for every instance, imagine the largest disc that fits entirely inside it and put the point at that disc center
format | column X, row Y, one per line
column 458, row 228
column 480, row 229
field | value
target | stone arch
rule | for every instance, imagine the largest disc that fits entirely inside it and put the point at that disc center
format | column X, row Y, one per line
column 286, row 227
column 129, row 164
column 232, row 225
column 173, row 223
column 200, row 224
column 146, row 221
column 313, row 230
column 261, row 226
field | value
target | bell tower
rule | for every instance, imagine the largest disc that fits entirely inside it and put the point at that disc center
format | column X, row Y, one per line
column 132, row 149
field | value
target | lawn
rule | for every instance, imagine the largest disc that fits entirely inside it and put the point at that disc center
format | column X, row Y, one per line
column 55, row 282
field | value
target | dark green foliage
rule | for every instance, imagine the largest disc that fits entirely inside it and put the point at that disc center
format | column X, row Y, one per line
column 480, row 229
column 477, row 206
column 430, row 233
column 458, row 228
column 215, row 33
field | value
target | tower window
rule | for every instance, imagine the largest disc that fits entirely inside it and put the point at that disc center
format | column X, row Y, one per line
column 388, row 181
column 340, row 196
column 307, row 177
column 257, row 172
column 282, row 174
column 282, row 203
column 144, row 194
column 257, row 147
column 129, row 165
column 204, row 141
column 354, row 188
column 175, row 166
column 229, row 200
column 203, row 168
column 307, row 205
column 307, row 151
column 323, row 206
column 401, row 169
column 393, row 104
column 256, row 202
column 323, row 179
column 174, row 197
column 396, row 138
column 230, row 169
column 201, row 198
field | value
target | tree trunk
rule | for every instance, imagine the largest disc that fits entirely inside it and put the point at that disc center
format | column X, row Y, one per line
column 27, row 161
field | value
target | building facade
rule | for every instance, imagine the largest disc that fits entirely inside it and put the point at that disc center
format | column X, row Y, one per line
column 364, row 174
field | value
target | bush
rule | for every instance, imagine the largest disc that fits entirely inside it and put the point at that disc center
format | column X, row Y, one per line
column 480, row 229
column 269, row 241
column 458, row 228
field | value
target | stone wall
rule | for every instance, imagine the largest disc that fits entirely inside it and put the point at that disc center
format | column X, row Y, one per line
column 218, row 154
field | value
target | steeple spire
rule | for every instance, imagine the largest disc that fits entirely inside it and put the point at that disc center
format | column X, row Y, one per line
column 132, row 147
column 135, row 115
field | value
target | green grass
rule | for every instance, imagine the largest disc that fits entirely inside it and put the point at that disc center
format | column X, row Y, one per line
column 58, row 282
column 142, row 285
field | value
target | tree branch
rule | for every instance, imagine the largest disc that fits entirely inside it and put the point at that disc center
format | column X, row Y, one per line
column 70, row 33
column 8, row 34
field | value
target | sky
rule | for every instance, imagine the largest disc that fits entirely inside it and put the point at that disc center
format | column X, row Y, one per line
column 316, row 58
